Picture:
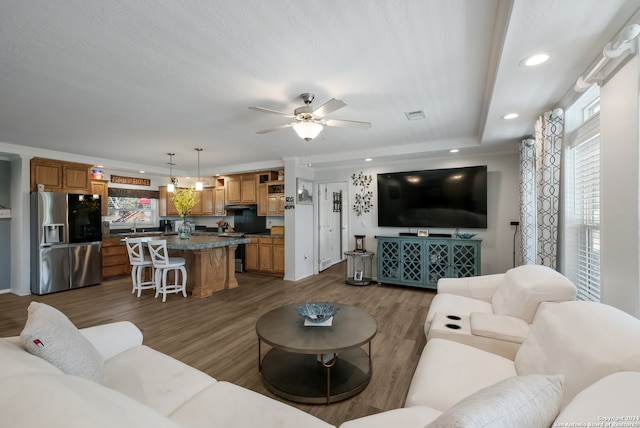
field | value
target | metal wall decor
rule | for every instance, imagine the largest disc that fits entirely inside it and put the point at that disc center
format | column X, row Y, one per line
column 337, row 202
column 362, row 202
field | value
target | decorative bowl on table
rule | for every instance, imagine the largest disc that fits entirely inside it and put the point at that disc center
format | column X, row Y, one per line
column 466, row 235
column 317, row 312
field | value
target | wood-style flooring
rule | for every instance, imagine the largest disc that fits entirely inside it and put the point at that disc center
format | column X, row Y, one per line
column 217, row 334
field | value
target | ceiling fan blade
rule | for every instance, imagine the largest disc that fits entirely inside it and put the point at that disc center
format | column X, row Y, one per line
column 266, row 131
column 328, row 107
column 267, row 110
column 347, row 123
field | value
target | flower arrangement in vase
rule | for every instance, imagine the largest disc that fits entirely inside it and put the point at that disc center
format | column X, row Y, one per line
column 184, row 199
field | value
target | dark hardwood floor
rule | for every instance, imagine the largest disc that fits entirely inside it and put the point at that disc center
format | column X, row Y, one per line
column 217, row 334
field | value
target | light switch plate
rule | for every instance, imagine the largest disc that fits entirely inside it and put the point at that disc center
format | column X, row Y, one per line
column 5, row 213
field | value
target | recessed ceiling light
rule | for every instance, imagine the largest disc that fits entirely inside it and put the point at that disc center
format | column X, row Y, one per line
column 141, row 172
column 510, row 116
column 454, row 151
column 368, row 160
column 536, row 59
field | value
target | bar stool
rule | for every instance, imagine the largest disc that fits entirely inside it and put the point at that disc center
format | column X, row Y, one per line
column 139, row 263
column 162, row 264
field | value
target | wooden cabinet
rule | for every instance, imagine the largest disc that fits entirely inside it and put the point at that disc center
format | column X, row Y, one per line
column 233, row 187
column 207, row 203
column 207, row 198
column 249, row 189
column 197, row 208
column 170, row 206
column 251, row 255
column 115, row 260
column 278, row 256
column 241, row 189
column 421, row 262
column 271, row 198
column 60, row 176
column 275, row 204
column 220, row 201
column 265, row 255
column 262, row 199
column 101, row 187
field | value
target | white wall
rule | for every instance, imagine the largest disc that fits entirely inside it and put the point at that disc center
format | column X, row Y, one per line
column 503, row 204
column 620, row 182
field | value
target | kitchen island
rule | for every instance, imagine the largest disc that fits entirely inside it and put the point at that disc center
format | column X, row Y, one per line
column 210, row 260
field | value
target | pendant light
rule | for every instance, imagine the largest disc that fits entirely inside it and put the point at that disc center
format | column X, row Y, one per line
column 171, row 186
column 198, row 183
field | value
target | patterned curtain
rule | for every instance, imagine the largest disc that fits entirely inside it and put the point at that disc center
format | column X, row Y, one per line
column 540, row 190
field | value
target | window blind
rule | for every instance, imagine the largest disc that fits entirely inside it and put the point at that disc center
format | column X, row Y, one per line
column 586, row 181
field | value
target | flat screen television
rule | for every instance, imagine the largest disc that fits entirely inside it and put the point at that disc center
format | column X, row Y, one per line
column 452, row 197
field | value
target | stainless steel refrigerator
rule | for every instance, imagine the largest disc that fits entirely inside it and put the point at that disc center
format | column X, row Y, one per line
column 66, row 241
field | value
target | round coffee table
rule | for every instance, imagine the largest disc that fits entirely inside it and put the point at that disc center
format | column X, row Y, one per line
column 316, row 364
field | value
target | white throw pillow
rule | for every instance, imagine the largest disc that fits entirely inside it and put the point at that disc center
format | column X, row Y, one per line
column 50, row 335
column 531, row 401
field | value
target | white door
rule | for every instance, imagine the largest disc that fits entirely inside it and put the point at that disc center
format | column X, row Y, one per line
column 325, row 207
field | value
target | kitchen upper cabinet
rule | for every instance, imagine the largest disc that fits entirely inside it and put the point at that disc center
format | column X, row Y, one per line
column 60, row 176
column 166, row 208
column 241, row 189
column 206, row 203
column 101, row 187
column 233, row 187
column 207, row 198
column 220, row 201
column 271, row 198
column 249, row 189
column 263, row 194
column 197, row 208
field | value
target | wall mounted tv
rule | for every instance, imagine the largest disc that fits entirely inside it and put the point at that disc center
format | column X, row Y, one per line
column 452, row 197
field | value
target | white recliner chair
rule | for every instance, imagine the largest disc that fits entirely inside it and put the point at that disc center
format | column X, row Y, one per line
column 493, row 312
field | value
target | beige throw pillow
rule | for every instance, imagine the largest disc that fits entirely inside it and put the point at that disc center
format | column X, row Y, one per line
column 530, row 401
column 50, row 335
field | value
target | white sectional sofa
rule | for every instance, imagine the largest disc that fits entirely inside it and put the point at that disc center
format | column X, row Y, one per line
column 110, row 379
column 579, row 364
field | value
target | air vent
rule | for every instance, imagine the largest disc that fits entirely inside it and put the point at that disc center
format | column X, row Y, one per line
column 415, row 115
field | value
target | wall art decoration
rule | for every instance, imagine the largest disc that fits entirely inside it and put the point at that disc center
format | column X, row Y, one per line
column 305, row 191
column 362, row 203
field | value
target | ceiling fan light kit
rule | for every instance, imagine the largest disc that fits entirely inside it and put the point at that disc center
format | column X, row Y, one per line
column 307, row 130
column 310, row 121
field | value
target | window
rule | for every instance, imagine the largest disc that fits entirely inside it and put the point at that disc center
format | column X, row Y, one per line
column 132, row 211
column 582, row 203
column 586, row 212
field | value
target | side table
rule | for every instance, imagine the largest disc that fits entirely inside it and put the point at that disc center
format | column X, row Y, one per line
column 358, row 267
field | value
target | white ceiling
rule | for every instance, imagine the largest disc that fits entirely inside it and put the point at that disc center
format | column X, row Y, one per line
column 125, row 82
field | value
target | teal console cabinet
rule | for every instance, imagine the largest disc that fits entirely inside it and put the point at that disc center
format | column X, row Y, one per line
column 422, row 261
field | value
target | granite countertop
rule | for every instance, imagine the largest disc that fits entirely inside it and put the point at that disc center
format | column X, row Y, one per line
column 154, row 233
column 262, row 235
column 198, row 241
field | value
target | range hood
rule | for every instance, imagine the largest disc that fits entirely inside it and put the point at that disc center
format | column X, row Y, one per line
column 238, row 207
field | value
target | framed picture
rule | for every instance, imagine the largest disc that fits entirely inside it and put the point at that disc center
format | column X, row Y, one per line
column 304, row 191
column 423, row 232
column 357, row 275
column 360, row 243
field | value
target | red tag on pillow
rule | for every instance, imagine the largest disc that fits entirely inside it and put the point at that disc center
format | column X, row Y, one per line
column 38, row 343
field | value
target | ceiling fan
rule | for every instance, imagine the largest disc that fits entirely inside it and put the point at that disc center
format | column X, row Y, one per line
column 309, row 121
